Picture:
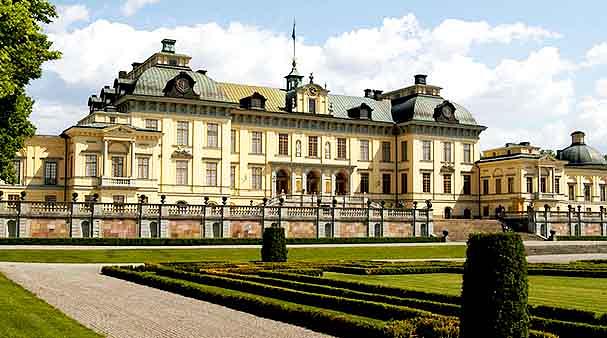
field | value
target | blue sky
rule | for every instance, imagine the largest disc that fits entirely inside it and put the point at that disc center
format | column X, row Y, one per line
column 529, row 70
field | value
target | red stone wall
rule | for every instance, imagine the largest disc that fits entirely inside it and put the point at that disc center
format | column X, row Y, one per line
column 460, row 229
column 301, row 229
column 184, row 229
column 562, row 229
column 49, row 228
column 592, row 229
column 396, row 229
column 239, row 229
column 119, row 228
column 352, row 230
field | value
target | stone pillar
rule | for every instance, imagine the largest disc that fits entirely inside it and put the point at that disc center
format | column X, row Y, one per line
column 304, row 181
column 133, row 159
column 322, row 183
column 164, row 222
column 293, row 182
column 333, row 186
column 105, row 157
column 273, row 180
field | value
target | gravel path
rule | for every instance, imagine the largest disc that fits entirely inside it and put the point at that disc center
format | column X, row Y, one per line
column 117, row 308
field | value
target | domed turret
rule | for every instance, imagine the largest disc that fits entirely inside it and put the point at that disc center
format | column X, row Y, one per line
column 578, row 153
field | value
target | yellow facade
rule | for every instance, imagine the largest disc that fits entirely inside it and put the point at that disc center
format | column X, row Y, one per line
column 164, row 129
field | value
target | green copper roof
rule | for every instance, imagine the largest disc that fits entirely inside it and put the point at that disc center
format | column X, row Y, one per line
column 421, row 108
column 341, row 104
column 581, row 154
column 154, row 79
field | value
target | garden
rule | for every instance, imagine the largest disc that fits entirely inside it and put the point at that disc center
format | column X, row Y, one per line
column 378, row 299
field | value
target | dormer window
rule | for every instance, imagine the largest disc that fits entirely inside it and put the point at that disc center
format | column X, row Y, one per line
column 362, row 112
column 312, row 106
column 255, row 101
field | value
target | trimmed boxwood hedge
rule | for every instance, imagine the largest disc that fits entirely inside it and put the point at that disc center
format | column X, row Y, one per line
column 274, row 245
column 359, row 307
column 571, row 315
column 581, row 238
column 396, row 270
column 565, row 329
column 204, row 241
column 495, row 289
column 331, row 322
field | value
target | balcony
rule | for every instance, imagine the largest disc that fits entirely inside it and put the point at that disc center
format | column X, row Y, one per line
column 545, row 196
column 118, row 182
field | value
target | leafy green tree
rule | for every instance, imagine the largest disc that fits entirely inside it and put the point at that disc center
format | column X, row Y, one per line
column 23, row 49
column 548, row 152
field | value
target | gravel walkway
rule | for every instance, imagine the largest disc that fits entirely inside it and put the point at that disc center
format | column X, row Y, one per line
column 117, row 308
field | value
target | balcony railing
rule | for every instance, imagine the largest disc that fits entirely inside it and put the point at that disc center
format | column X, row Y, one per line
column 117, row 182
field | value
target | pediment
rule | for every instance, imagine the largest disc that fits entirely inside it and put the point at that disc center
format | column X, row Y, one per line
column 120, row 130
column 182, row 154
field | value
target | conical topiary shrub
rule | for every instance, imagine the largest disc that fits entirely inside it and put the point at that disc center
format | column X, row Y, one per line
column 274, row 246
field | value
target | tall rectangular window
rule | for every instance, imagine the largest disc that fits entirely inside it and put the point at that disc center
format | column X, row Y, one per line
column 256, row 178
column 386, row 155
column 117, row 166
column 151, row 124
column 557, row 184
column 364, row 183
column 17, row 167
column 447, row 152
column 312, row 105
column 211, row 174
column 212, row 135
column 283, row 144
column 529, row 184
column 50, row 173
column 182, row 133
column 603, row 193
column 233, row 177
column 233, row 141
column 485, row 187
column 498, row 185
column 313, row 146
column 143, row 167
column 542, row 184
column 386, row 183
column 256, row 145
column 510, row 185
column 427, row 150
column 467, row 153
column 426, row 182
column 404, row 155
column 90, row 165
column 341, row 148
column 447, row 183
column 404, row 185
column 571, row 192
column 467, row 185
column 364, row 150
column 181, row 172
column 587, row 192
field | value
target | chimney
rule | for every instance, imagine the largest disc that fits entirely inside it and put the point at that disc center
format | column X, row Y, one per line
column 135, row 64
column 420, row 79
column 368, row 93
column 202, row 71
column 577, row 137
column 377, row 93
column 122, row 74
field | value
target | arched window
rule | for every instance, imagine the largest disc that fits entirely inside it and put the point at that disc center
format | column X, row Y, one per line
column 448, row 212
column 154, row 230
column 85, row 228
column 377, row 230
column 298, row 148
column 328, row 151
column 329, row 230
column 12, row 228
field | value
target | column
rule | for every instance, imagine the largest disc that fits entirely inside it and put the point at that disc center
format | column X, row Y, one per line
column 293, row 182
column 273, row 183
column 322, row 183
column 105, row 157
column 333, row 192
column 132, row 159
column 304, row 181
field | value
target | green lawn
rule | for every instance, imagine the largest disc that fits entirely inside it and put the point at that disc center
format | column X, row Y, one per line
column 567, row 292
column 23, row 315
column 224, row 254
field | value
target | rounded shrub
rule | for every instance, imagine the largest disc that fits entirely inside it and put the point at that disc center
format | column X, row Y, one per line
column 495, row 289
column 274, row 245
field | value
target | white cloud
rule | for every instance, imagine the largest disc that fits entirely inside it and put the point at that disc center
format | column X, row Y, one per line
column 130, row 7
column 67, row 15
column 597, row 55
column 53, row 116
column 512, row 98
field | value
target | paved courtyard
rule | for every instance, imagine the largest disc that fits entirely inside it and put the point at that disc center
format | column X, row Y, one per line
column 117, row 308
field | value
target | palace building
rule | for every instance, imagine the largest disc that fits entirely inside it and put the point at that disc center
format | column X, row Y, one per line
column 165, row 129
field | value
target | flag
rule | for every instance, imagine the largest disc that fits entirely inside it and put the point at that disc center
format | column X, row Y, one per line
column 293, row 34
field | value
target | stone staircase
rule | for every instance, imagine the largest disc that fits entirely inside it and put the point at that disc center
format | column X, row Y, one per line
column 460, row 229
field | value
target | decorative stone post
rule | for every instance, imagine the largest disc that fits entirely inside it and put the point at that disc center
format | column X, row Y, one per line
column 381, row 223
column 569, row 223
column 164, row 222
column 579, row 229
column 414, row 219
column 318, row 217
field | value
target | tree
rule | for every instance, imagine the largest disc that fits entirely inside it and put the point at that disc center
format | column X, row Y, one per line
column 23, row 50
column 548, row 152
